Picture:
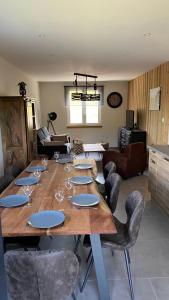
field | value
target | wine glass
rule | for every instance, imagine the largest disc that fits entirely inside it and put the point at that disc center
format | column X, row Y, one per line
column 73, row 155
column 37, row 174
column 28, row 189
column 68, row 168
column 56, row 155
column 69, row 186
column 44, row 162
column 59, row 195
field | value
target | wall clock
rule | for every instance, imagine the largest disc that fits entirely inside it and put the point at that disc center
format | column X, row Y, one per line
column 114, row 99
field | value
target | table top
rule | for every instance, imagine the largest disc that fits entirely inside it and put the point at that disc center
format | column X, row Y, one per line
column 96, row 219
column 93, row 148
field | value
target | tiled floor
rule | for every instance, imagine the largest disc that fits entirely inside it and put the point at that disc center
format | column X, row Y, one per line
column 150, row 255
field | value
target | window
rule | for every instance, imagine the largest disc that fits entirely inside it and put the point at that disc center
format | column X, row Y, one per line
column 83, row 113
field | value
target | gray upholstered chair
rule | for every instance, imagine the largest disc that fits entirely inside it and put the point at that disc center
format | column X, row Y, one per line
column 109, row 168
column 125, row 237
column 41, row 275
column 112, row 186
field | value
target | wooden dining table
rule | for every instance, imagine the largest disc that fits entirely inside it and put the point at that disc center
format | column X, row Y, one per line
column 94, row 220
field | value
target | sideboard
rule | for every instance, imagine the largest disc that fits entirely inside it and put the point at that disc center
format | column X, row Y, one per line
column 158, row 180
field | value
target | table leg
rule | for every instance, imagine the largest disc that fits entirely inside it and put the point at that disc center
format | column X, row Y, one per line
column 3, row 287
column 99, row 267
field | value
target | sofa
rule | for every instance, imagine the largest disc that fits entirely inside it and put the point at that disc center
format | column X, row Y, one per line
column 130, row 161
column 48, row 144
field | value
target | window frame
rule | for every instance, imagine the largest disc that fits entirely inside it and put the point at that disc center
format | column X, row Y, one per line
column 84, row 123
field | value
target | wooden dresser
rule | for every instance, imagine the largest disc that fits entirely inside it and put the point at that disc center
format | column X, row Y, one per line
column 17, row 126
column 159, row 175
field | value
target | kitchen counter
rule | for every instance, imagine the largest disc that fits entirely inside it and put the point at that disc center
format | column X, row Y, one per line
column 161, row 149
column 158, row 181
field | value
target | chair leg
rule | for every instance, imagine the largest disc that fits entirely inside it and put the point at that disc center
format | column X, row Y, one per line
column 127, row 259
column 87, row 274
column 89, row 255
column 73, row 296
column 77, row 243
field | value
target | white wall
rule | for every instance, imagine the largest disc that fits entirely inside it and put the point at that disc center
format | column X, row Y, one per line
column 10, row 76
column 52, row 99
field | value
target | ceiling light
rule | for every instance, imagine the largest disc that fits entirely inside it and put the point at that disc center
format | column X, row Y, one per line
column 86, row 96
column 42, row 35
column 148, row 34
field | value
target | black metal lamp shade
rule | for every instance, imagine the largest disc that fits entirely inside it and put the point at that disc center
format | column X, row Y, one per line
column 52, row 116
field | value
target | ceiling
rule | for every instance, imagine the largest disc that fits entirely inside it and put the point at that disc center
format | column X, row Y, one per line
column 114, row 39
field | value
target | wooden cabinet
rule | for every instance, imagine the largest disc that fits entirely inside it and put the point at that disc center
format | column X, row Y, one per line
column 152, row 183
column 159, row 179
column 16, row 134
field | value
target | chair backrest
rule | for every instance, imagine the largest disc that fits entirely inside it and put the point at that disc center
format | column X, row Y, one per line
column 41, row 275
column 112, row 186
column 109, row 168
column 43, row 134
column 134, row 209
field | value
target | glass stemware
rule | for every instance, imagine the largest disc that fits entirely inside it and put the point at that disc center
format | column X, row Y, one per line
column 69, row 186
column 44, row 162
column 28, row 189
column 73, row 155
column 59, row 195
column 37, row 174
column 68, row 167
column 56, row 155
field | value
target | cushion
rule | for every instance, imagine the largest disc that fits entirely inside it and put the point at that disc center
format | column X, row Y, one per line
column 41, row 275
column 46, row 133
column 52, row 143
column 60, row 137
column 43, row 134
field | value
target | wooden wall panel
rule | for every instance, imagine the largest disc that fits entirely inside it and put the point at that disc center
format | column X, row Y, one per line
column 156, row 123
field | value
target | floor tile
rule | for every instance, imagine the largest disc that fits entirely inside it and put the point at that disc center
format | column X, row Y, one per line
column 113, row 266
column 142, row 290
column 119, row 290
column 150, row 259
column 161, row 287
column 154, row 228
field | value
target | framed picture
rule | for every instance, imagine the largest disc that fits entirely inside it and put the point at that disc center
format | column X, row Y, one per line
column 154, row 99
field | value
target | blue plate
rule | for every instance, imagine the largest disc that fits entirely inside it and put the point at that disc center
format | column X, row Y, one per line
column 26, row 180
column 83, row 166
column 85, row 199
column 46, row 219
column 14, row 200
column 81, row 179
column 64, row 160
column 33, row 169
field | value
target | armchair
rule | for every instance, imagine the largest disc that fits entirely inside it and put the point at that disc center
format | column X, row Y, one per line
column 130, row 161
column 48, row 144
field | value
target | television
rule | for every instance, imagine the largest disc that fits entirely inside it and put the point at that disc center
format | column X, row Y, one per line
column 129, row 119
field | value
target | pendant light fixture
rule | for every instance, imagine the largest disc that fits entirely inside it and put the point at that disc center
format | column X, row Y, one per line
column 85, row 96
